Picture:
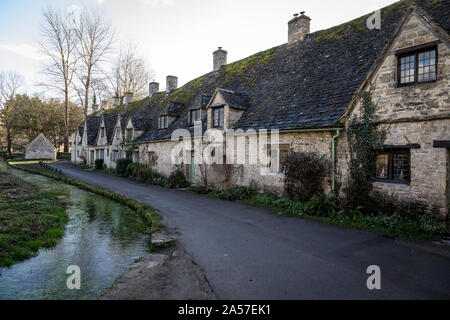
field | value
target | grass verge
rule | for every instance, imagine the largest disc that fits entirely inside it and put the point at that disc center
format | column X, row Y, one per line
column 29, row 219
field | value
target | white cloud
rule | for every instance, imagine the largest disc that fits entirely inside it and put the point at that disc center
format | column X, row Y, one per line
column 22, row 49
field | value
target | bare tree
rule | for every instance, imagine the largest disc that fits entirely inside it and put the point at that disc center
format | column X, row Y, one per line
column 95, row 37
column 10, row 83
column 130, row 73
column 59, row 46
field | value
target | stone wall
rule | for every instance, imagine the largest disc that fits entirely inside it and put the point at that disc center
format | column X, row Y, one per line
column 415, row 114
column 40, row 148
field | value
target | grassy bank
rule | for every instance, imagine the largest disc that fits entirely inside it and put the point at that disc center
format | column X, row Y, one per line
column 328, row 210
column 29, row 219
column 149, row 214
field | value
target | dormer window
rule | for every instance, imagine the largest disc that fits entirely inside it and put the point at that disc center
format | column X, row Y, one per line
column 417, row 66
column 163, row 122
column 194, row 116
column 129, row 134
column 118, row 134
column 102, row 132
column 218, row 117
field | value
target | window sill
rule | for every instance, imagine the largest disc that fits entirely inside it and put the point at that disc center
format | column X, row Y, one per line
column 402, row 85
column 405, row 183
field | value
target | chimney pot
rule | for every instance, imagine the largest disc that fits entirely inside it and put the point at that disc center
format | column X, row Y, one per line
column 219, row 58
column 298, row 27
column 153, row 88
column 171, row 83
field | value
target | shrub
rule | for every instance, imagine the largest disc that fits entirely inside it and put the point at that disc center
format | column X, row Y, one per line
column 145, row 174
column 132, row 169
column 63, row 156
column 177, row 179
column 122, row 165
column 99, row 164
column 236, row 193
column 304, row 175
column 323, row 206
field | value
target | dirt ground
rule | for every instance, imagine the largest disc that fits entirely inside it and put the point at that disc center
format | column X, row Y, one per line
column 162, row 277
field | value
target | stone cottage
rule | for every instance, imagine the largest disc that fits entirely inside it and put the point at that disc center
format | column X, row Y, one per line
column 308, row 89
column 40, row 149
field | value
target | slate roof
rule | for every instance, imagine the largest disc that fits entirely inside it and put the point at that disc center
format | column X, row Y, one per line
column 110, row 123
column 81, row 130
column 93, row 123
column 304, row 85
column 234, row 100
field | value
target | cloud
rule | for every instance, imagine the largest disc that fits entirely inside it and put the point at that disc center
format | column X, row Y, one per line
column 22, row 49
column 147, row 2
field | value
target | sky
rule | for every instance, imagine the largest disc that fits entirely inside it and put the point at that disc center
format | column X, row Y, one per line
column 175, row 37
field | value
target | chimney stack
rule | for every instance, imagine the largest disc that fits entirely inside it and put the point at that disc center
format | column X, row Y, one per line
column 94, row 107
column 171, row 83
column 116, row 101
column 219, row 58
column 298, row 27
column 153, row 88
column 128, row 97
column 104, row 104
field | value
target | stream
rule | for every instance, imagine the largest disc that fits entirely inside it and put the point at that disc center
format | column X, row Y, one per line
column 102, row 237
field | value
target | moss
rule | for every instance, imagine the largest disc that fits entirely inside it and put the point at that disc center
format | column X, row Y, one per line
column 186, row 93
column 134, row 106
column 341, row 31
column 241, row 69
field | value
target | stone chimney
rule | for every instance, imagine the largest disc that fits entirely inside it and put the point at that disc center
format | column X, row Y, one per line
column 153, row 88
column 219, row 58
column 298, row 27
column 94, row 107
column 104, row 104
column 171, row 83
column 116, row 101
column 128, row 97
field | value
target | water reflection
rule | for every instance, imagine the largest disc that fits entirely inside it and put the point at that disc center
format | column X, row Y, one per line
column 102, row 237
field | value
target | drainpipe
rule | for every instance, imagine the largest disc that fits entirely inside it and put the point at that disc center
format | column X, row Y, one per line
column 333, row 160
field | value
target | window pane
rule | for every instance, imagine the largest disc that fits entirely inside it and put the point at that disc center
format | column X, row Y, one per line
column 427, row 66
column 400, row 167
column 407, row 69
column 221, row 117
column 382, row 166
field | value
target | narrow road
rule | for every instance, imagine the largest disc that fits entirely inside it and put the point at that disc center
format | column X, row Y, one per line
column 252, row 253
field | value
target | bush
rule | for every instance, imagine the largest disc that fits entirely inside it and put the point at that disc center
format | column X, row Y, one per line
column 122, row 165
column 236, row 193
column 99, row 164
column 304, row 175
column 132, row 169
column 63, row 156
column 177, row 180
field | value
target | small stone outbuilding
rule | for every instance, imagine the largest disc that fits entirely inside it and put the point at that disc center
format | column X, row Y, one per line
column 40, row 149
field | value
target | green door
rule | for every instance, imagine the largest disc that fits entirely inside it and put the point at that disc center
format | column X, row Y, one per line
column 192, row 169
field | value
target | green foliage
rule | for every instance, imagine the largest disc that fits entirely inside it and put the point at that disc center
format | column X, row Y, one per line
column 63, row 156
column 304, row 173
column 122, row 165
column 177, row 180
column 99, row 164
column 132, row 169
column 364, row 140
column 236, row 193
column 29, row 219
